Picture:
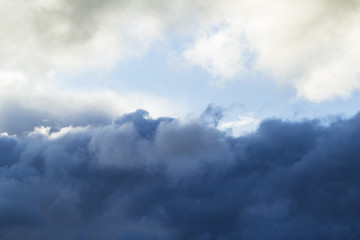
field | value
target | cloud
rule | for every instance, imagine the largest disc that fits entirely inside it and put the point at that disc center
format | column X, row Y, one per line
column 75, row 35
column 243, row 125
column 25, row 105
column 222, row 52
column 310, row 45
column 72, row 36
column 144, row 178
column 212, row 115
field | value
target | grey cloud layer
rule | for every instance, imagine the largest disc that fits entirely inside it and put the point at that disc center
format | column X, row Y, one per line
column 143, row 178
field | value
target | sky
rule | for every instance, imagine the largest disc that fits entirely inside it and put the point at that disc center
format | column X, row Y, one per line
column 155, row 119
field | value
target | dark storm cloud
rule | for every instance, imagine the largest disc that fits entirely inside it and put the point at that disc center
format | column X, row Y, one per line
column 143, row 178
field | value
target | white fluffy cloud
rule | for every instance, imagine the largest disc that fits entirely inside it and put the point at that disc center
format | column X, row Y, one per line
column 312, row 45
column 221, row 52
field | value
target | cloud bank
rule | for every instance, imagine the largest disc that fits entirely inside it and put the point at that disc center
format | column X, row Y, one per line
column 144, row 178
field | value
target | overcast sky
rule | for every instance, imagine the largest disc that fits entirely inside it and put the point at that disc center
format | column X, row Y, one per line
column 237, row 97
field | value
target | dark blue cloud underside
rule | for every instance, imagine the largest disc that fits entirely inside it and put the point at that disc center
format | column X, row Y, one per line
column 284, row 181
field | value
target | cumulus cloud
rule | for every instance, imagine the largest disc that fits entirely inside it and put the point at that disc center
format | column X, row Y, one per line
column 304, row 43
column 308, row 44
column 311, row 45
column 144, row 178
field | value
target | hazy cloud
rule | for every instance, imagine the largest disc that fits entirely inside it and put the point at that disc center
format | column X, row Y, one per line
column 25, row 105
